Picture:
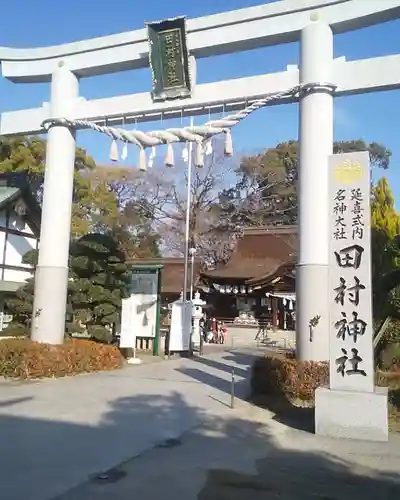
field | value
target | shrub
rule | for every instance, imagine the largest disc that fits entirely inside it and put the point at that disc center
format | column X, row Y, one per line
column 100, row 333
column 15, row 330
column 390, row 357
column 22, row 358
column 282, row 376
column 392, row 334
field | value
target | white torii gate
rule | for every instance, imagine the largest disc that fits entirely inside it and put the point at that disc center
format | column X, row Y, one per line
column 321, row 77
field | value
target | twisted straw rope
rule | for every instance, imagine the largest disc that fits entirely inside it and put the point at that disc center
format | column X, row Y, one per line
column 158, row 137
column 197, row 134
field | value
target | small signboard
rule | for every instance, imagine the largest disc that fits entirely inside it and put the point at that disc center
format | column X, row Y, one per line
column 128, row 326
column 181, row 326
column 351, row 327
column 144, row 293
column 169, row 59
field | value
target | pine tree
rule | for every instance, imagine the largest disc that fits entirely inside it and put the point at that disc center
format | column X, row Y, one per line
column 99, row 279
column 20, row 306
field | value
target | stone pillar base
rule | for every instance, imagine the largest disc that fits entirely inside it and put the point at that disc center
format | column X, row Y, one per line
column 134, row 361
column 352, row 415
column 48, row 322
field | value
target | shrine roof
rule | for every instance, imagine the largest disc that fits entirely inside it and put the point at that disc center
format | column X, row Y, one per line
column 286, row 272
column 172, row 272
column 260, row 253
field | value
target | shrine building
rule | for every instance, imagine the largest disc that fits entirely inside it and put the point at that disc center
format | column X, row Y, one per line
column 258, row 283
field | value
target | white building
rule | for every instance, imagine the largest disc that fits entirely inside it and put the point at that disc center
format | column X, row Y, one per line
column 19, row 233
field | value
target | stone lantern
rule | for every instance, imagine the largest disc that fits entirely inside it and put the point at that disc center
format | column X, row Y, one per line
column 197, row 313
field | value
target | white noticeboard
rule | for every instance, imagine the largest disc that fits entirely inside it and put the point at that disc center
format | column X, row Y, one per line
column 144, row 294
column 128, row 327
column 181, row 326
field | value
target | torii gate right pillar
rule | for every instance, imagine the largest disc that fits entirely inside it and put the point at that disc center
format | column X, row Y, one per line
column 316, row 144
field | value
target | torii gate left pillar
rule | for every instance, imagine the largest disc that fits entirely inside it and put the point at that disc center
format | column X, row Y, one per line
column 51, row 277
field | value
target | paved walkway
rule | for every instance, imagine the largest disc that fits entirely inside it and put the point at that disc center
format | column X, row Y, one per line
column 55, row 433
column 168, row 427
column 247, row 456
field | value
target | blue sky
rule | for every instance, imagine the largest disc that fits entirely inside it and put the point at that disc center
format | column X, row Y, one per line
column 373, row 117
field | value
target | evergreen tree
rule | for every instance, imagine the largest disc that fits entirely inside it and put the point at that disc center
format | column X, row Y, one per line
column 20, row 306
column 385, row 227
column 384, row 216
column 99, row 279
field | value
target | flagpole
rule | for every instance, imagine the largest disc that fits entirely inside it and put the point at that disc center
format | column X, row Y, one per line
column 187, row 230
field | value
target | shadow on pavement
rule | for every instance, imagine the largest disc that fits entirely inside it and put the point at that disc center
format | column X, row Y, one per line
column 295, row 417
column 222, row 378
column 15, row 401
column 41, row 459
column 296, row 475
column 212, row 363
column 153, row 444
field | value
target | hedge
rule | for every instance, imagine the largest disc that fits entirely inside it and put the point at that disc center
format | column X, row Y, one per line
column 25, row 359
column 281, row 375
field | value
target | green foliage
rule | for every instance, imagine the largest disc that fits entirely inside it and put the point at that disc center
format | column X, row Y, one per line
column 15, row 329
column 24, row 154
column 20, row 306
column 384, row 217
column 95, row 208
column 385, row 226
column 27, row 154
column 99, row 279
column 24, row 359
column 379, row 155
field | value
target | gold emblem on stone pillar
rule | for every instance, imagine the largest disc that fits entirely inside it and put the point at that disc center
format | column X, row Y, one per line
column 348, row 172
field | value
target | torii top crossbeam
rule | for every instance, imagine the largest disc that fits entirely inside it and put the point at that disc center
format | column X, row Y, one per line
column 270, row 24
column 243, row 29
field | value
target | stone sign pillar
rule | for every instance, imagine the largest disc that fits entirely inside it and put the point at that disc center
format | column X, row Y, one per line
column 352, row 407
